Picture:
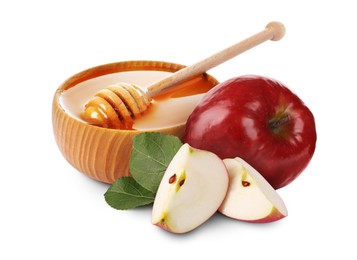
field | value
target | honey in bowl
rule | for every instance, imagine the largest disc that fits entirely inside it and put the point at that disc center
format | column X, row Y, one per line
column 170, row 110
column 103, row 153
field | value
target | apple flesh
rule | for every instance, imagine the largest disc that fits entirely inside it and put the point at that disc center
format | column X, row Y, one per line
column 250, row 197
column 259, row 120
column 191, row 190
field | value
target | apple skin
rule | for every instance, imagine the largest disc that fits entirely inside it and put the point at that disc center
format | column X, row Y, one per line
column 259, row 120
column 274, row 215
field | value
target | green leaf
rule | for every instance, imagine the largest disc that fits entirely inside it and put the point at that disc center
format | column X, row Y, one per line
column 152, row 152
column 126, row 193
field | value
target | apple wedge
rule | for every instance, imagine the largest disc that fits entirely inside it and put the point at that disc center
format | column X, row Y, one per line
column 191, row 190
column 250, row 197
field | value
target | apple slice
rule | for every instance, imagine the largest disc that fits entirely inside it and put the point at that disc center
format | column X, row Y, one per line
column 250, row 197
column 191, row 190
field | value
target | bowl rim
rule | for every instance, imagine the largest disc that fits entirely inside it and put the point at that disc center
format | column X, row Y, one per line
column 115, row 67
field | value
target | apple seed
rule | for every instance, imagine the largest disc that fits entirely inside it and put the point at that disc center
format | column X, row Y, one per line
column 172, row 178
column 245, row 183
column 182, row 182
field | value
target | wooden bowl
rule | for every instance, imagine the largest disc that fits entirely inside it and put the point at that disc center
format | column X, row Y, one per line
column 101, row 153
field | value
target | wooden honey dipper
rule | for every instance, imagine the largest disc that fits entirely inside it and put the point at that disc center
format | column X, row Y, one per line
column 117, row 106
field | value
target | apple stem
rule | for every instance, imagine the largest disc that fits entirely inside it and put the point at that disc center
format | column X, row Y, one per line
column 276, row 123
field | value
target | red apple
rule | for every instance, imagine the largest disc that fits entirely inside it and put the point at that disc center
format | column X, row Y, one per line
column 259, row 120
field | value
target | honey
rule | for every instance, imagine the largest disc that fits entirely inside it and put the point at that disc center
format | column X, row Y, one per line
column 169, row 110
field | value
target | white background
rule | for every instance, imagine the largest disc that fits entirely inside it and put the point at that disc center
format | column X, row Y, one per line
column 51, row 211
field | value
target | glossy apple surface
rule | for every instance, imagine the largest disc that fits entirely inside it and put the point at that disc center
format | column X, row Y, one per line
column 259, row 120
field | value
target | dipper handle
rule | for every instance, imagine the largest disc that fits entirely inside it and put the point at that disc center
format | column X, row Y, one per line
column 273, row 31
